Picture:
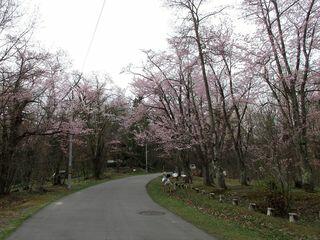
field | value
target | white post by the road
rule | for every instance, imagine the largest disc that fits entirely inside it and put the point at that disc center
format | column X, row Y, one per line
column 70, row 161
column 146, row 157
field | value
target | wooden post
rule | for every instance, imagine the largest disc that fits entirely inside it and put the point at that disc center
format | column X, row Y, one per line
column 175, row 186
column 211, row 195
column 252, row 206
column 270, row 212
column 235, row 201
column 293, row 217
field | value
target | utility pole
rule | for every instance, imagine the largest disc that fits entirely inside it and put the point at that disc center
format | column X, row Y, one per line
column 146, row 157
column 70, row 146
column 70, row 161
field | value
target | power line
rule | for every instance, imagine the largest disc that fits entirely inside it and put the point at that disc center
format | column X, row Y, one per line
column 77, row 82
column 93, row 36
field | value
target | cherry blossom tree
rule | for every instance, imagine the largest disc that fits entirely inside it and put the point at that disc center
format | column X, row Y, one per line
column 288, row 56
column 27, row 103
column 101, row 110
column 194, row 19
column 175, row 102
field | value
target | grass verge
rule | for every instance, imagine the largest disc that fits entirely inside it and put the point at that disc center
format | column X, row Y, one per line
column 18, row 207
column 226, row 221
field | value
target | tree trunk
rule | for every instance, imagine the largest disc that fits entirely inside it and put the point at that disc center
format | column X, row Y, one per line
column 306, row 169
column 220, row 178
column 6, row 179
column 243, row 177
column 97, row 168
column 206, row 174
column 243, row 172
column 7, row 172
column 221, row 183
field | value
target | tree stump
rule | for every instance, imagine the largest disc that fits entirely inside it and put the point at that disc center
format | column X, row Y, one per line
column 270, row 212
column 293, row 217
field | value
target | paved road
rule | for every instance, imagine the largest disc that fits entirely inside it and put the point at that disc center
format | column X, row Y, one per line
column 117, row 210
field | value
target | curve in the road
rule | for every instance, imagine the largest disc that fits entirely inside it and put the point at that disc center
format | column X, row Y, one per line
column 117, row 210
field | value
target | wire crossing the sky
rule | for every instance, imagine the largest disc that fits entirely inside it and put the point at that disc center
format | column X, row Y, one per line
column 93, row 36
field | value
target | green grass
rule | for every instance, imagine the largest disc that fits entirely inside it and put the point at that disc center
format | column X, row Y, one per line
column 18, row 207
column 226, row 221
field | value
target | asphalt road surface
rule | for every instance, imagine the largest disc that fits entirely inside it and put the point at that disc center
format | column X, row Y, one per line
column 116, row 210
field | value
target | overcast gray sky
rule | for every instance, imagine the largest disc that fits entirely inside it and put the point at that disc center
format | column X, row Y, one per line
column 126, row 27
